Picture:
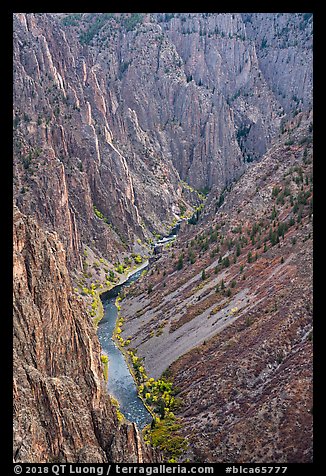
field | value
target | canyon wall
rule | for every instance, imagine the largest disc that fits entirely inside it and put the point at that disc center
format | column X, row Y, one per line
column 231, row 325
column 284, row 50
column 62, row 412
column 112, row 114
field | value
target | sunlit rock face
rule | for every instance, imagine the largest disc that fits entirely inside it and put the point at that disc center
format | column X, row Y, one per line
column 61, row 409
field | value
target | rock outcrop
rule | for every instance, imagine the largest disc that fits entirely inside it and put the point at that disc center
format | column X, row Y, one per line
column 62, row 412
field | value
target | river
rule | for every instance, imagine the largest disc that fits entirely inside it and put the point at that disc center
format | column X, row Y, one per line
column 121, row 384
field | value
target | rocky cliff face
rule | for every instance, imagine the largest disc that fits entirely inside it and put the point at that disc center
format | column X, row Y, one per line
column 122, row 107
column 284, row 46
column 75, row 139
column 61, row 409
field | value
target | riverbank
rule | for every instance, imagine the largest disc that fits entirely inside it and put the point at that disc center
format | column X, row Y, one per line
column 121, row 383
column 126, row 356
column 148, row 402
column 124, row 278
column 160, row 400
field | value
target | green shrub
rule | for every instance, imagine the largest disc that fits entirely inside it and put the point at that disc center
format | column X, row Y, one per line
column 98, row 213
column 138, row 259
column 104, row 359
column 131, row 22
column 72, row 19
column 87, row 36
column 165, row 436
column 119, row 269
column 111, row 276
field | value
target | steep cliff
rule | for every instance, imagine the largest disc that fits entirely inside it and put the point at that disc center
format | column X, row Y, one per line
column 77, row 142
column 113, row 110
column 61, row 409
column 284, row 46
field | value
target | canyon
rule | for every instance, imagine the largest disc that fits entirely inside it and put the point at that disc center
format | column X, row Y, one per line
column 124, row 125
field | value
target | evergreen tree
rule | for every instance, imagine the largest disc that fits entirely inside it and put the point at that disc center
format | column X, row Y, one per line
column 180, row 262
column 226, row 262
